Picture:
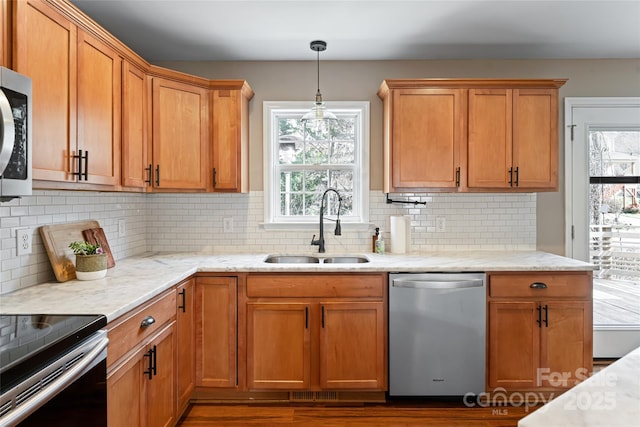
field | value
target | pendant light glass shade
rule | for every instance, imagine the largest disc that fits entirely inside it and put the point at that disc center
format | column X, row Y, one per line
column 319, row 111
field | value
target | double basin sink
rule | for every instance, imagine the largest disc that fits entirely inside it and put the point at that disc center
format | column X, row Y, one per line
column 306, row 259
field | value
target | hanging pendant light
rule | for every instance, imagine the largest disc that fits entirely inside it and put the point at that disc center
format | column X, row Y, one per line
column 319, row 111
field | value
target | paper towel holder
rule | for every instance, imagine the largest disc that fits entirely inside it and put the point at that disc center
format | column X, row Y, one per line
column 405, row 202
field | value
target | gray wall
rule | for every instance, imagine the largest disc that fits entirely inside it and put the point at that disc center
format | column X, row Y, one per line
column 360, row 80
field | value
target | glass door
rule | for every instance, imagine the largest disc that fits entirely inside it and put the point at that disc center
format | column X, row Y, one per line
column 603, row 205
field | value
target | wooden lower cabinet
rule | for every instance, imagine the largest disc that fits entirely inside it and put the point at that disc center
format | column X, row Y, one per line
column 141, row 390
column 278, row 346
column 540, row 330
column 185, row 343
column 352, row 345
column 316, row 332
column 216, row 336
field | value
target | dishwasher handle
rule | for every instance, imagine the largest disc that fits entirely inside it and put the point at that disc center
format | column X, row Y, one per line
column 437, row 284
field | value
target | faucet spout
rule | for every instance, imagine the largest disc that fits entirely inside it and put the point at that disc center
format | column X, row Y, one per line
column 338, row 230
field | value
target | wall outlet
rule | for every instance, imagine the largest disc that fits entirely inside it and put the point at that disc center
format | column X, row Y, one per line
column 227, row 225
column 23, row 241
column 441, row 225
column 122, row 228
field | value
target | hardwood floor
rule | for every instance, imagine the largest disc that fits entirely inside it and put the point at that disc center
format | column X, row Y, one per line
column 400, row 414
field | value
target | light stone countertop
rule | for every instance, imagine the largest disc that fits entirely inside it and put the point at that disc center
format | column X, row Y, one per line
column 611, row 397
column 136, row 280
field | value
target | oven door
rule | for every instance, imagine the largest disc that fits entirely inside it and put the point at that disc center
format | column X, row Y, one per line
column 72, row 391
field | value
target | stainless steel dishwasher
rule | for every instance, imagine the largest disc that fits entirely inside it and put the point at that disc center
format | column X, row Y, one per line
column 437, row 334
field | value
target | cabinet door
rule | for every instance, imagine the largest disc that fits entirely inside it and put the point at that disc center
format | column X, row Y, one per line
column 160, row 405
column 514, row 345
column 180, row 135
column 489, row 149
column 229, row 147
column 428, row 129
column 45, row 50
column 99, row 110
column 535, row 138
column 134, row 128
column 278, row 347
column 185, row 348
column 566, row 343
column 126, row 389
column 352, row 342
column 216, row 338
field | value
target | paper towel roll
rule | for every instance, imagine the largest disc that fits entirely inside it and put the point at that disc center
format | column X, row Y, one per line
column 399, row 233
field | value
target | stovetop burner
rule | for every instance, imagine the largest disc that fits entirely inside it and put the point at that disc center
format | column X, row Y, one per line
column 29, row 342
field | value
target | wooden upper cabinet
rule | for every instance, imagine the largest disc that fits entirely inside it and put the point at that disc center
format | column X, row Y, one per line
column 490, row 138
column 99, row 80
column 5, row 33
column 180, row 136
column 45, row 49
column 535, row 138
column 136, row 169
column 424, row 133
column 470, row 134
column 513, row 139
column 230, row 136
column 76, row 102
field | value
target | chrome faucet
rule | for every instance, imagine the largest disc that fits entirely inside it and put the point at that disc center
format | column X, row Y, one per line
column 338, row 230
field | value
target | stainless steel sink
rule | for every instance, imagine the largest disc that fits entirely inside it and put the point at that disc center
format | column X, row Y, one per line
column 292, row 259
column 345, row 260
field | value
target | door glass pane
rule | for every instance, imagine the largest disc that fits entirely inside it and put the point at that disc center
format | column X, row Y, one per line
column 614, row 153
column 614, row 219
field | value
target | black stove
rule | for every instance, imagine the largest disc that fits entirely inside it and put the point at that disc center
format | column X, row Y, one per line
column 29, row 343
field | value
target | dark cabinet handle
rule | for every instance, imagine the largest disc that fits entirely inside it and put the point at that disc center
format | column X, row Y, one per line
column 147, row 321
column 80, row 174
column 306, row 317
column 323, row 316
column 458, row 176
column 149, row 171
column 86, row 165
column 517, row 175
column 155, row 360
column 215, row 176
column 183, row 306
column 538, row 285
column 546, row 316
column 539, row 321
column 150, row 368
column 511, row 177
column 157, row 175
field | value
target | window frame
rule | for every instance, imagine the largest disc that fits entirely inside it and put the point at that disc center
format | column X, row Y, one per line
column 271, row 111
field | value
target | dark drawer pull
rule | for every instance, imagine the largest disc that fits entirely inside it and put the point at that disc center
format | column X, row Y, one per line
column 147, row 321
column 538, row 285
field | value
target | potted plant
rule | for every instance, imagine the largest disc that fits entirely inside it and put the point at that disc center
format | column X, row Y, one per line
column 91, row 260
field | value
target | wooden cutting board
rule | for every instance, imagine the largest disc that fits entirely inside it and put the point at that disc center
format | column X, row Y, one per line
column 96, row 236
column 56, row 239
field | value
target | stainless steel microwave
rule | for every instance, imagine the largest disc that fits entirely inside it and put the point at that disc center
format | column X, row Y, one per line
column 15, row 135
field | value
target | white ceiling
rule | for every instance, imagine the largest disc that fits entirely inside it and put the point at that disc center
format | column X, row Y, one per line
column 267, row 30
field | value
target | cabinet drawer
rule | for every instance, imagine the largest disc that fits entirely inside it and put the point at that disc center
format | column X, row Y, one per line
column 126, row 332
column 315, row 285
column 549, row 285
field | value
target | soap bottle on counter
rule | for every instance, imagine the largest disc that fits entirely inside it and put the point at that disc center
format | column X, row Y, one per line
column 374, row 239
column 380, row 244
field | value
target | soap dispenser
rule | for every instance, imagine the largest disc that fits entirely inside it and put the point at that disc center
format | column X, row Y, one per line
column 374, row 239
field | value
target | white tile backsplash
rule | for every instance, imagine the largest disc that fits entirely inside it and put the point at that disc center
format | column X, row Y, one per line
column 194, row 222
